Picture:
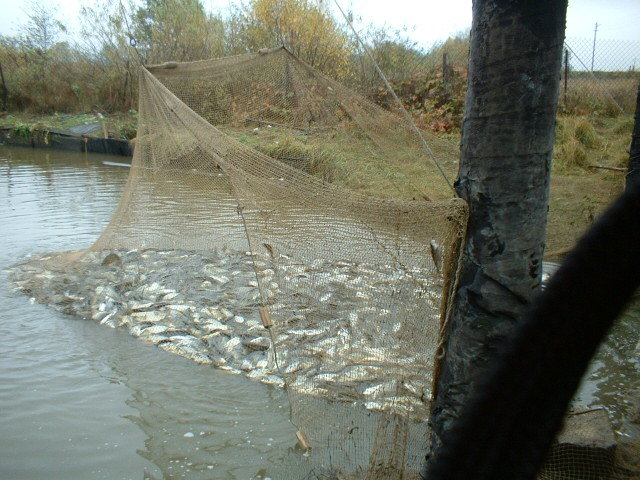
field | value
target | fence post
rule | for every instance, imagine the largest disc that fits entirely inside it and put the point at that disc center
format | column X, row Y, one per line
column 445, row 67
column 5, row 91
column 566, row 74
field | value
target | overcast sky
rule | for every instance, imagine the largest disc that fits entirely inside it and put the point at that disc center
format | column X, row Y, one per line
column 427, row 20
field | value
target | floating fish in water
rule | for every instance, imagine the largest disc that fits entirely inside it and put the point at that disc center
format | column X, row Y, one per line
column 213, row 325
column 141, row 307
column 258, row 343
column 304, row 364
column 336, row 329
column 112, row 259
column 186, row 351
column 154, row 330
column 154, row 339
column 149, row 316
column 110, row 319
column 216, row 313
column 382, row 388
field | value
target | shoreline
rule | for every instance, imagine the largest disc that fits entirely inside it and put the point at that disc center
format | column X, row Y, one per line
column 65, row 140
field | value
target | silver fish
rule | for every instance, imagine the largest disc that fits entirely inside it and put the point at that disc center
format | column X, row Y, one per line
column 213, row 325
column 179, row 308
column 154, row 330
column 186, row 351
column 110, row 320
column 149, row 316
column 219, row 279
column 141, row 307
column 258, row 343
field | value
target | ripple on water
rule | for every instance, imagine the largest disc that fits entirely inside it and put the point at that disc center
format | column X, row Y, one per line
column 80, row 401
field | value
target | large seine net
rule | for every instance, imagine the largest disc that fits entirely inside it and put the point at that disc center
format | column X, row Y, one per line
column 240, row 242
column 355, row 287
column 233, row 245
column 245, row 257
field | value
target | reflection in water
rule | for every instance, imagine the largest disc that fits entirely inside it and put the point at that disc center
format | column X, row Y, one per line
column 199, row 421
column 613, row 381
column 82, row 401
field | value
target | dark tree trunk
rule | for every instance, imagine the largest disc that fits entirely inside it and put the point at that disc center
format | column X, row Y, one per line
column 633, row 173
column 507, row 142
column 5, row 91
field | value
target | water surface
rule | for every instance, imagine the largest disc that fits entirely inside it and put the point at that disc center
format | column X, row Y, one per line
column 83, row 401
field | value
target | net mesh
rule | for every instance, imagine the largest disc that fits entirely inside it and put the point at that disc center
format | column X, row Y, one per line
column 240, row 241
column 352, row 285
column 274, row 225
column 237, row 244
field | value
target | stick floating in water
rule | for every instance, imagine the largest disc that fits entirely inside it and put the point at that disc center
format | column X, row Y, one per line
column 117, row 164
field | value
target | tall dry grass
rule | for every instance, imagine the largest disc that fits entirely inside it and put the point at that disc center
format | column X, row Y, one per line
column 602, row 93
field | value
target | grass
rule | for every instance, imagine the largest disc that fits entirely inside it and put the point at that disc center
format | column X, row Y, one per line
column 605, row 94
column 400, row 170
column 121, row 125
column 579, row 192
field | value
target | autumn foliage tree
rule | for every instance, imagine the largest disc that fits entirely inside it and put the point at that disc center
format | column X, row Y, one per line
column 99, row 71
column 28, row 56
column 305, row 27
column 177, row 30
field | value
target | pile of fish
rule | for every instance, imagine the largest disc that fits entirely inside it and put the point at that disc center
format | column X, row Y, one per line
column 326, row 340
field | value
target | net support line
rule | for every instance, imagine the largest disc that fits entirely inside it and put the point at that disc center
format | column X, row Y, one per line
column 425, row 145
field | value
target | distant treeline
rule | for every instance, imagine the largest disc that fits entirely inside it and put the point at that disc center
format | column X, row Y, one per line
column 43, row 71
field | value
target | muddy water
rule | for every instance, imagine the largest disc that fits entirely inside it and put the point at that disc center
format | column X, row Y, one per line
column 82, row 401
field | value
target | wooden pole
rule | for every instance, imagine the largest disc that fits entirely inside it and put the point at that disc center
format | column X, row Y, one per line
column 504, row 175
column 445, row 68
column 5, row 91
column 566, row 74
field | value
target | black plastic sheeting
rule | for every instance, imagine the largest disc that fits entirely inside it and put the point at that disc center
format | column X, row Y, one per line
column 64, row 140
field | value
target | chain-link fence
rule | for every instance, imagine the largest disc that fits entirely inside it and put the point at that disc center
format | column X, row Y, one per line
column 600, row 76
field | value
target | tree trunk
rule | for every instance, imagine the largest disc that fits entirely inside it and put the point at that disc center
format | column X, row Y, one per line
column 507, row 142
column 633, row 173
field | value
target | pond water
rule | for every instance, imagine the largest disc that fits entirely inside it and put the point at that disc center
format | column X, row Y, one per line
column 82, row 401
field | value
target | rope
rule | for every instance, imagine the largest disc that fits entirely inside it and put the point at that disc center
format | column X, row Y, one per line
column 132, row 39
column 425, row 145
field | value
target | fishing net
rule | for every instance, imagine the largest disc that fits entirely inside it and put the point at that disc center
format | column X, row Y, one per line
column 352, row 289
column 240, row 242
column 277, row 225
column 588, row 448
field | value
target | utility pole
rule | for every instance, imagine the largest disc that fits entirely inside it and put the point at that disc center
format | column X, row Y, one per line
column 593, row 50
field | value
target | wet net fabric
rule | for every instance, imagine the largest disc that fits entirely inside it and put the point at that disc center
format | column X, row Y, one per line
column 252, row 259
column 352, row 288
